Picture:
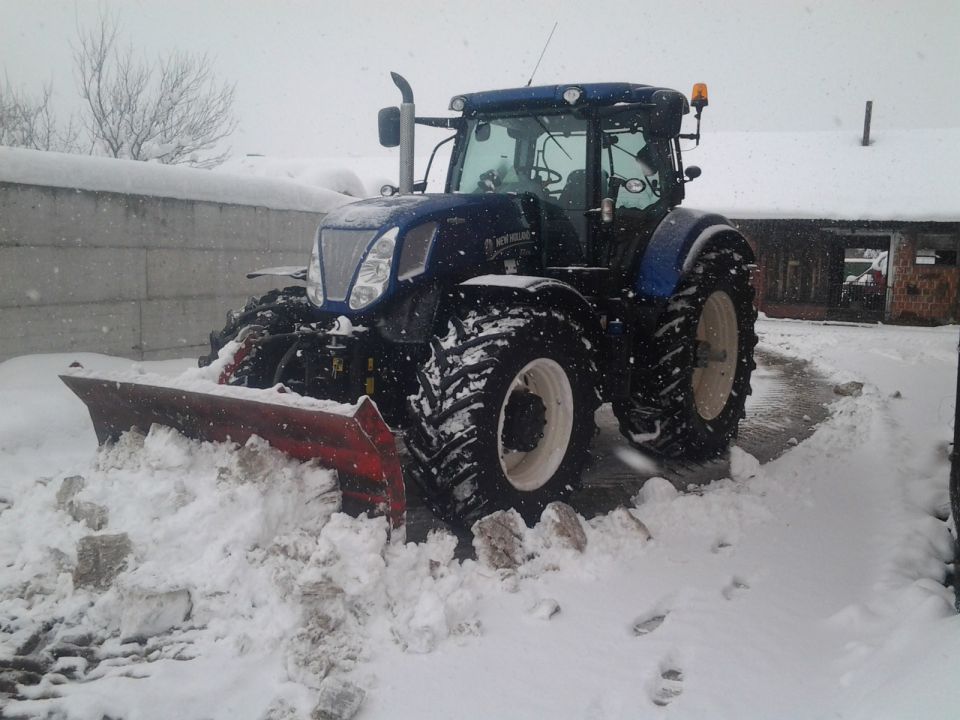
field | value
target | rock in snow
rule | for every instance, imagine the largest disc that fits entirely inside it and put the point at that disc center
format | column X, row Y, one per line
column 339, row 700
column 94, row 516
column 850, row 389
column 622, row 519
column 498, row 539
column 100, row 558
column 146, row 613
column 69, row 489
column 562, row 527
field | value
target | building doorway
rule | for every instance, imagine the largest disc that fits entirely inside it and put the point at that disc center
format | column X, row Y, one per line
column 859, row 278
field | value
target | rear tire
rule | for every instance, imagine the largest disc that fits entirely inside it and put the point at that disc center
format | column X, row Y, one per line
column 695, row 370
column 504, row 414
column 277, row 312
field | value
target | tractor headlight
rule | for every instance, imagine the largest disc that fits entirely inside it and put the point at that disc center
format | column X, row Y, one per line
column 314, row 276
column 374, row 274
column 458, row 103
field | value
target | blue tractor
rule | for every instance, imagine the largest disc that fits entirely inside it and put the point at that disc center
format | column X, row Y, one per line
column 557, row 271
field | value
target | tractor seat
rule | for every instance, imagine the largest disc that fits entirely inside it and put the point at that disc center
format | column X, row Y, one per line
column 574, row 193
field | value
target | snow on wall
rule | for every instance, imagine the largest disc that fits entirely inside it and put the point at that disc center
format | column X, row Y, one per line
column 356, row 176
column 901, row 175
column 32, row 167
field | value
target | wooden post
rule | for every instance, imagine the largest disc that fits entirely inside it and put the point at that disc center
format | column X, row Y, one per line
column 866, row 123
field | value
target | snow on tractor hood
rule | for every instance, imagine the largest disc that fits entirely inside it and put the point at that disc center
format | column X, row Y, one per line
column 405, row 211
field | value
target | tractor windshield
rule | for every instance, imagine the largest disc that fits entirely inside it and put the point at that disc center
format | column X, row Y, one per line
column 541, row 154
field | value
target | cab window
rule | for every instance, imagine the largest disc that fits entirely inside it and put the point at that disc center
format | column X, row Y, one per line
column 544, row 155
column 632, row 164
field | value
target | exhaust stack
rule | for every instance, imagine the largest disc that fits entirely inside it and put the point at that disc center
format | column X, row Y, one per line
column 407, row 116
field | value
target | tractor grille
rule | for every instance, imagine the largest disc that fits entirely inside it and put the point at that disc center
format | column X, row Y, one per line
column 341, row 251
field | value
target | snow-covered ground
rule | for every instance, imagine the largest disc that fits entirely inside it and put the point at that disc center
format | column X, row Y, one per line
column 809, row 587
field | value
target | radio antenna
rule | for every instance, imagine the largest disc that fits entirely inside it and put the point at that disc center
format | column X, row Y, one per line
column 542, row 52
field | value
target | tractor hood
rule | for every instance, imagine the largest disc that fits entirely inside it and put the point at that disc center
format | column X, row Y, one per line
column 404, row 211
column 368, row 251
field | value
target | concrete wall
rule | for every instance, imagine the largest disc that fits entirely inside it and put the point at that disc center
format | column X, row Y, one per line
column 131, row 275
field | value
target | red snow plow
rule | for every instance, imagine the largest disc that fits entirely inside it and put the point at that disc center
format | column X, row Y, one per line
column 359, row 445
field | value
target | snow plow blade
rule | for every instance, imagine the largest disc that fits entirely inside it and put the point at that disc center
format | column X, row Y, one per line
column 359, row 446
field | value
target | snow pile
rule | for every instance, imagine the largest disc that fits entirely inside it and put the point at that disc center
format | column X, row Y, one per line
column 33, row 167
column 206, row 573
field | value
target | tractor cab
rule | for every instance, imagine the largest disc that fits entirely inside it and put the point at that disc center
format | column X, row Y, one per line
column 599, row 164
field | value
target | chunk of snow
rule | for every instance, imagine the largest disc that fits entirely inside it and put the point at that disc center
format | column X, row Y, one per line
column 656, row 490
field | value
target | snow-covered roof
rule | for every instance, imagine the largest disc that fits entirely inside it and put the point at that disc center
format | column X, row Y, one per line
column 901, row 175
column 32, row 167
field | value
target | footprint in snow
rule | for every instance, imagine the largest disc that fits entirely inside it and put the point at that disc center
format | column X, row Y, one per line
column 721, row 546
column 648, row 623
column 736, row 588
column 668, row 686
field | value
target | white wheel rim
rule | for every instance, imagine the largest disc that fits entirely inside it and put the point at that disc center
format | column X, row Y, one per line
column 528, row 471
column 718, row 328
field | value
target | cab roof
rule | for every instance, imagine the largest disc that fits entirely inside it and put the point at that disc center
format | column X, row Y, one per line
column 549, row 97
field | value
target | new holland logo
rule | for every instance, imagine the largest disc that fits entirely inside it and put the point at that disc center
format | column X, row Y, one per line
column 496, row 246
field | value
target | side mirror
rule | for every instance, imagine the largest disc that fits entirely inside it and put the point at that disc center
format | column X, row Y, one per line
column 667, row 113
column 388, row 121
column 692, row 173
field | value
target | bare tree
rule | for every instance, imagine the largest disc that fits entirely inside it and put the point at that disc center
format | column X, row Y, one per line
column 29, row 121
column 173, row 112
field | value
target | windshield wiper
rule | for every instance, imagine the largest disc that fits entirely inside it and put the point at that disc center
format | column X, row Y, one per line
column 550, row 135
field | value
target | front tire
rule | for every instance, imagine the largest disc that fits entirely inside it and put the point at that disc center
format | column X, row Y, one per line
column 276, row 313
column 504, row 413
column 695, row 371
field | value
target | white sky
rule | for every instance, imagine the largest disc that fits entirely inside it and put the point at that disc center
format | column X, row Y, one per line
column 311, row 76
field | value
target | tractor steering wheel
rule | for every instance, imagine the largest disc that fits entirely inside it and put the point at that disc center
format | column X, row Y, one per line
column 552, row 175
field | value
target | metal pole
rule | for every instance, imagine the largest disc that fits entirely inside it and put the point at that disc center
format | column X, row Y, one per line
column 866, row 123
column 955, row 486
column 407, row 119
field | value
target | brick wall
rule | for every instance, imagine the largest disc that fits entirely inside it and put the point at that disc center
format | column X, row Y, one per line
column 923, row 293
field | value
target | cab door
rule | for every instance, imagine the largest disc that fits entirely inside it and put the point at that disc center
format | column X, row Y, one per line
column 636, row 172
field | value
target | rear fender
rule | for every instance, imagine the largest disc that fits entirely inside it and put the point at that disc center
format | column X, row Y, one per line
column 678, row 241
column 527, row 289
